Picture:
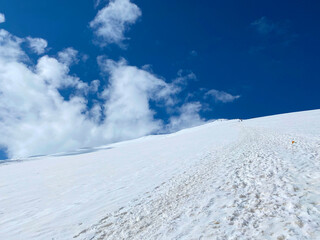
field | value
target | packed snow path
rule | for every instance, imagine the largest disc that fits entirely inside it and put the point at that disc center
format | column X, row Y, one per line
column 261, row 187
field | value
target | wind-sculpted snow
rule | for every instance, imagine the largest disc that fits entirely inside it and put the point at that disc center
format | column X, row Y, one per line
column 223, row 180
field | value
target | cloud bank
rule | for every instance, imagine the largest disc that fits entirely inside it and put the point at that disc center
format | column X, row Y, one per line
column 36, row 119
column 111, row 22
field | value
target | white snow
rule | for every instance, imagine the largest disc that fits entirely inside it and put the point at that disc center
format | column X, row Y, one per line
column 221, row 180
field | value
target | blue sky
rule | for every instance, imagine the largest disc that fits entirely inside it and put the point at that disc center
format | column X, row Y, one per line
column 220, row 59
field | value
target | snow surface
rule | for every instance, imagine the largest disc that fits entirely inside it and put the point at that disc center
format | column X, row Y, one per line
column 221, row 180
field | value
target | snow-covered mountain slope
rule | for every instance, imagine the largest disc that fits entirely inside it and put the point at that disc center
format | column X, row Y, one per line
column 221, row 180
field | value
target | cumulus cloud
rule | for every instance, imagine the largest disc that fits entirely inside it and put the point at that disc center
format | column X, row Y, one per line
column 94, row 85
column 221, row 96
column 37, row 45
column 111, row 22
column 188, row 117
column 127, row 108
column 56, row 73
column 128, row 96
column 68, row 56
column 10, row 47
column 2, row 18
column 36, row 119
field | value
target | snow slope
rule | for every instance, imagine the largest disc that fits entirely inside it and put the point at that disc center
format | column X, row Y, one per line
column 221, row 180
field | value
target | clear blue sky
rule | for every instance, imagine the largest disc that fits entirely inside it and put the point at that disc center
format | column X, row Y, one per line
column 267, row 52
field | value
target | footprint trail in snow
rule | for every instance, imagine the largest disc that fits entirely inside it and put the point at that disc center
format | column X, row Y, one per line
column 260, row 187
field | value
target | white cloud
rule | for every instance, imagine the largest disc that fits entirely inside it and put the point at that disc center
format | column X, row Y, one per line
column 113, row 20
column 68, row 56
column 10, row 47
column 97, row 3
column 127, row 107
column 184, row 77
column 56, row 73
column 36, row 119
column 94, row 85
column 37, row 45
column 2, row 18
column 85, row 57
column 188, row 117
column 221, row 96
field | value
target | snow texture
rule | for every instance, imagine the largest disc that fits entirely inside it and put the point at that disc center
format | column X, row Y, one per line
column 222, row 180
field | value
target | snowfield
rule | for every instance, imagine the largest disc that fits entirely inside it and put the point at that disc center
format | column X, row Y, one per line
column 222, row 180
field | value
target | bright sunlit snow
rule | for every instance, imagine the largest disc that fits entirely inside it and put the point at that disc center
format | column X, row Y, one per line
column 251, row 179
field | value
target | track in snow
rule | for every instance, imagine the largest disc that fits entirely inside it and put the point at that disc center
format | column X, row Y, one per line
column 261, row 187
